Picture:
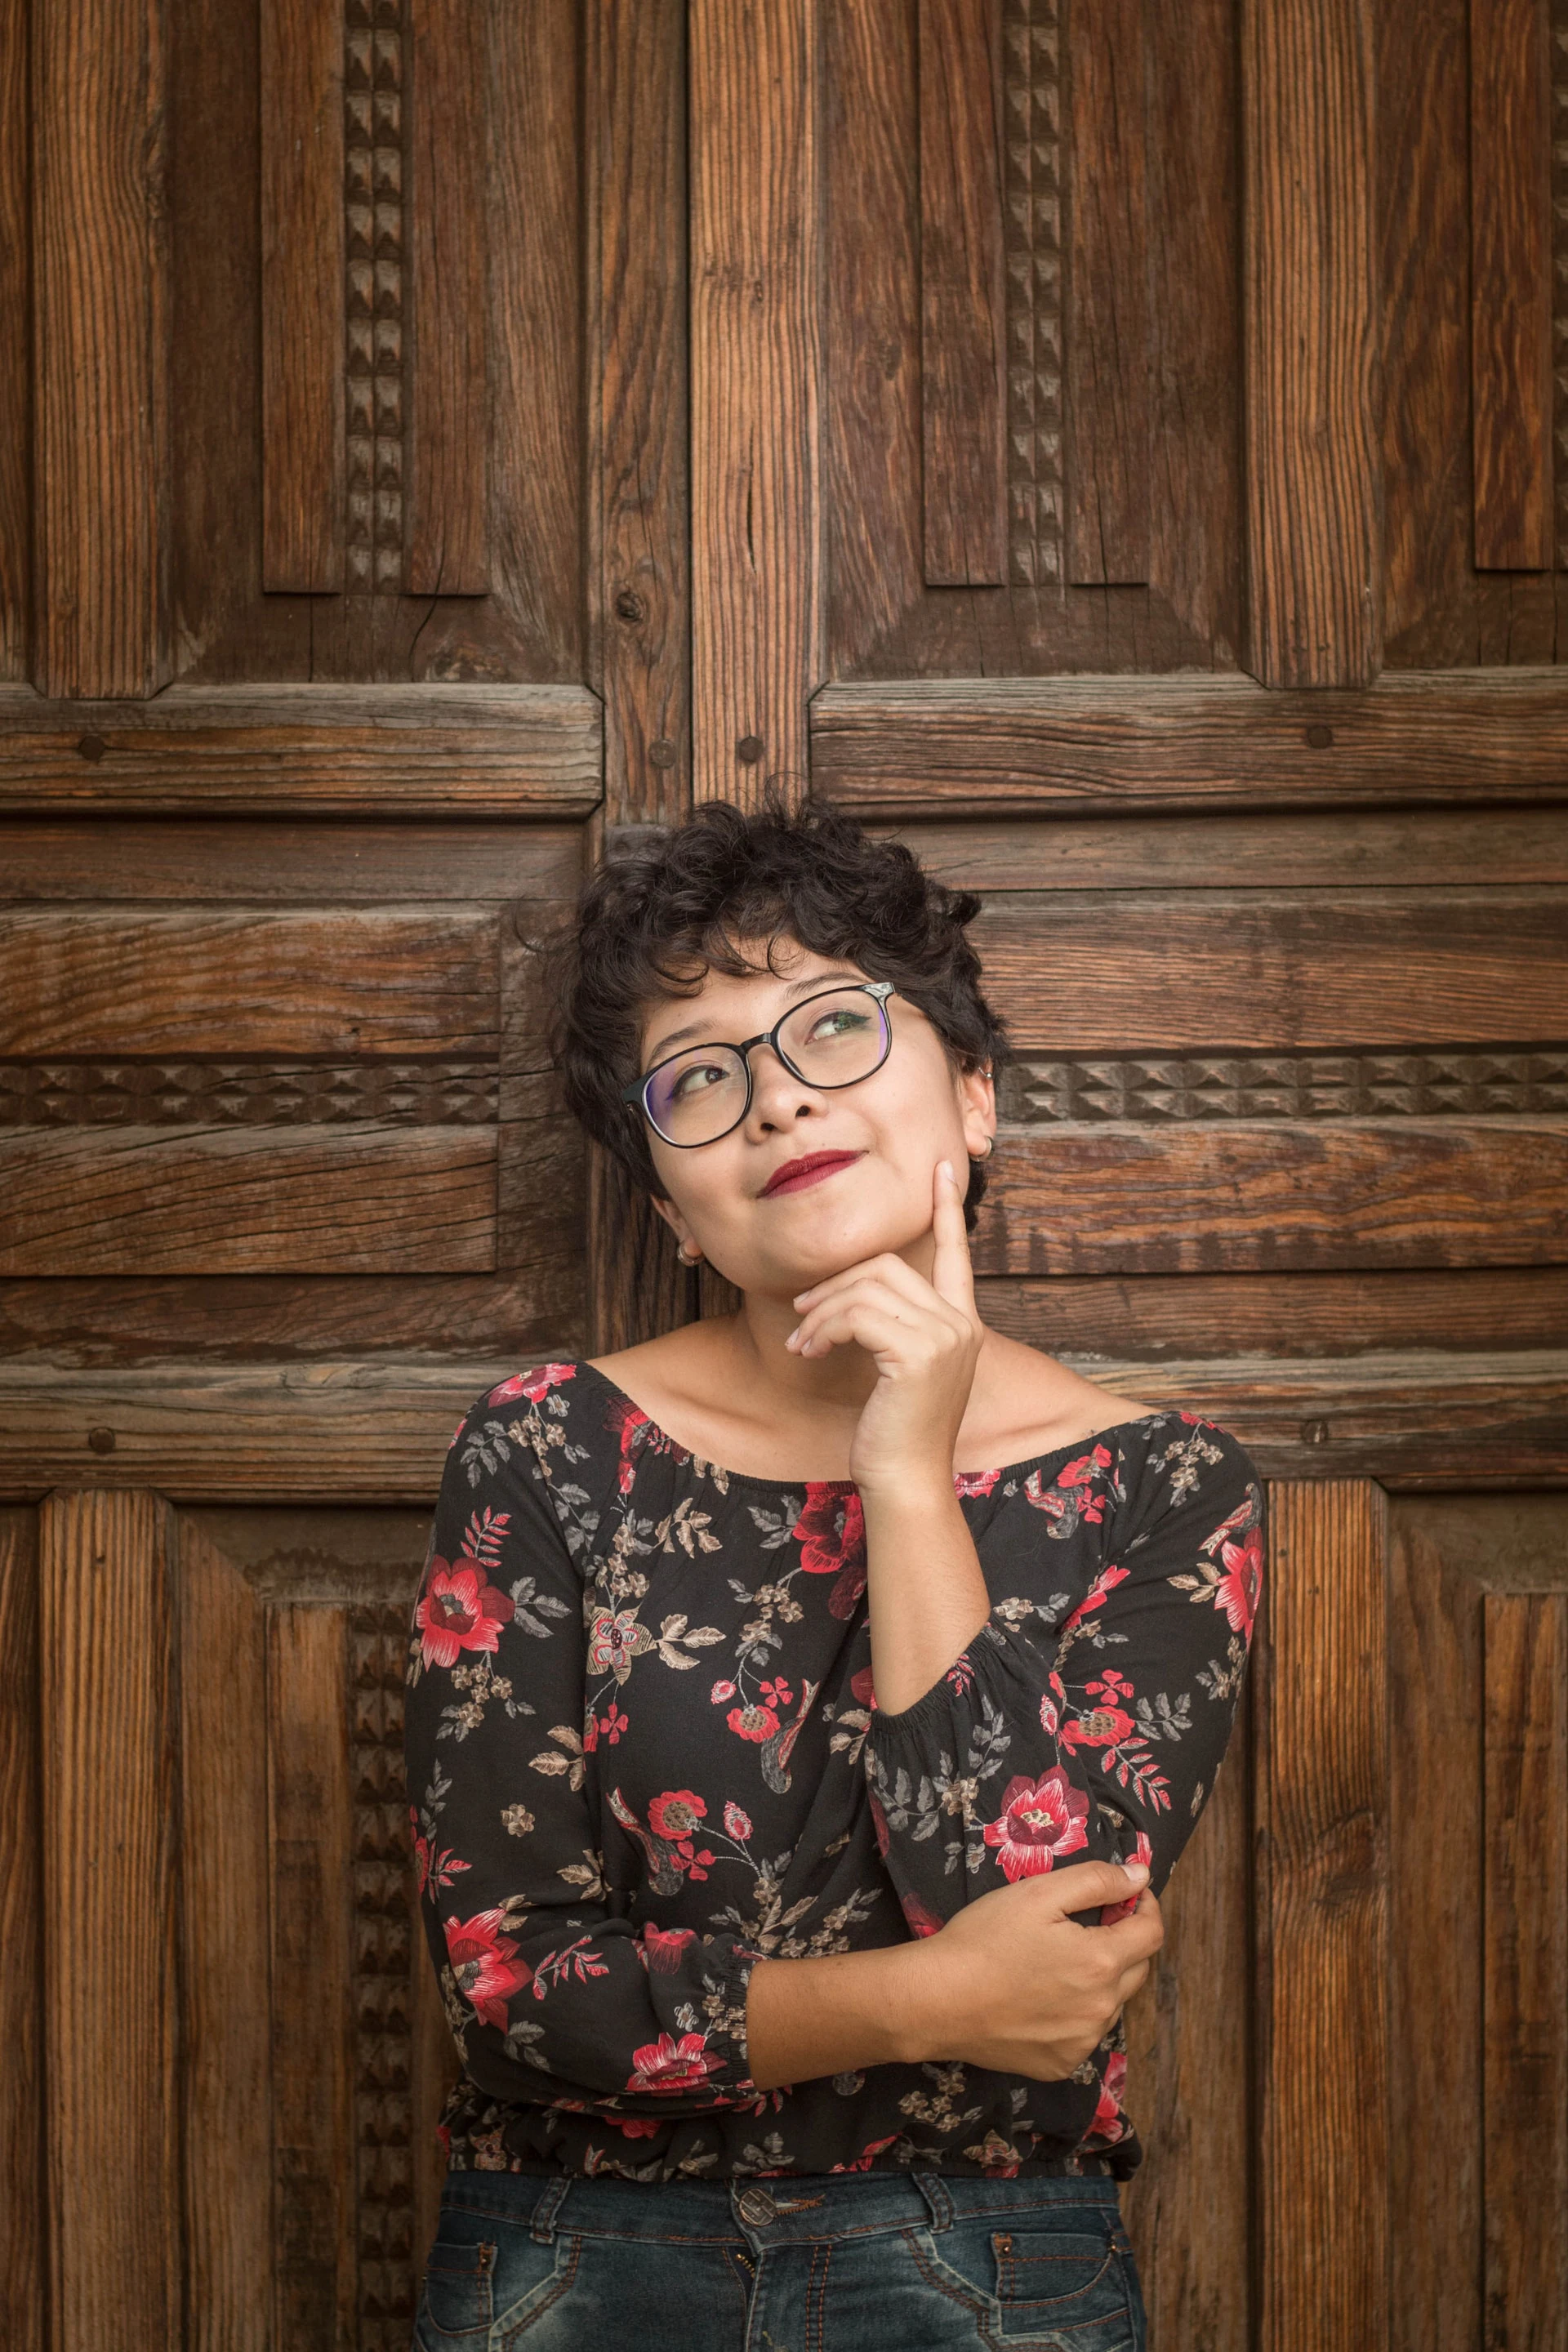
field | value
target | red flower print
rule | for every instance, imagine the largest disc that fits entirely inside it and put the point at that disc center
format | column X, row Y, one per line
column 720, row 1693
column 969, row 1484
column 662, row 1947
column 831, row 1529
column 737, row 1824
column 670, row 2065
column 533, row 1385
column 676, row 1813
column 1102, row 1727
column 613, row 1724
column 1078, row 1472
column 1104, row 1585
column 862, row 1687
column 636, row 2126
column 431, row 1868
column 1110, row 1913
column 1039, row 1822
column 1109, row 2123
column 459, row 1610
column 483, row 1964
column 778, row 1694
column 758, row 1722
column 918, row 1919
column 1051, row 1706
column 1238, row 1587
column 615, row 1639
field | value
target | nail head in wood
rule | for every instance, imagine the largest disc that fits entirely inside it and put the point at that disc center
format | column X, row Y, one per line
column 100, row 1439
column 93, row 747
column 629, row 606
column 750, row 749
column 1319, row 737
column 1314, row 1432
column 661, row 752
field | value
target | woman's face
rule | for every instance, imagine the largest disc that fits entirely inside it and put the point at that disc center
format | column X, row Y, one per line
column 890, row 1128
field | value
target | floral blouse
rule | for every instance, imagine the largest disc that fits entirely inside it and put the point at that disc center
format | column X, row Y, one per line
column 644, row 1751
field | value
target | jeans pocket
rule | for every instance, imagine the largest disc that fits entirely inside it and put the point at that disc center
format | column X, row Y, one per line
column 456, row 2303
column 1070, row 2281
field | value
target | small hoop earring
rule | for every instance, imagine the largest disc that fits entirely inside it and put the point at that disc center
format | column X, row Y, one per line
column 990, row 1148
column 681, row 1252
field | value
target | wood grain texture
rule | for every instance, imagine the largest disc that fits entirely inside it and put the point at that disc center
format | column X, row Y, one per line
column 914, row 746
column 1287, row 852
column 1510, row 284
column 16, row 364
column 165, row 1200
column 99, row 350
column 639, row 404
column 23, row 2259
column 1320, row 1800
column 448, row 751
column 638, row 1287
column 1455, row 1313
column 302, row 505
column 444, row 206
column 1106, row 339
column 1388, row 969
column 146, row 858
column 375, row 1430
column 756, row 571
column 232, row 982
column 107, row 1829
column 1272, row 1195
column 530, row 1315
column 1525, row 1933
column 225, row 1943
column 1188, row 2073
column 963, row 303
column 1312, row 358
column 312, row 2023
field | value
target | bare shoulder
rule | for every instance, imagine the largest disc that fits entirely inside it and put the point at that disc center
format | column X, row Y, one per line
column 1026, row 1402
column 676, row 1378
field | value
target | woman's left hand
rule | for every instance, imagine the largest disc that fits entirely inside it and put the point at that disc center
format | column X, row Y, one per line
column 925, row 1340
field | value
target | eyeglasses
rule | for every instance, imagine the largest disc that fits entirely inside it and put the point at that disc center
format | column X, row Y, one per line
column 832, row 1040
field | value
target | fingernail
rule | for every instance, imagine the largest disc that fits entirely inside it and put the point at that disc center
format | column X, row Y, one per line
column 1136, row 1871
column 793, row 1336
column 945, row 1168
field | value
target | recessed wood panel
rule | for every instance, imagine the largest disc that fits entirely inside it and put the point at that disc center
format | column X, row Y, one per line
column 1321, row 1811
column 1510, row 283
column 15, row 361
column 1215, row 970
column 107, row 1829
column 447, row 551
column 1234, row 1197
column 149, row 859
column 301, row 297
column 153, row 1200
column 23, row 2259
column 1106, row 338
column 240, row 980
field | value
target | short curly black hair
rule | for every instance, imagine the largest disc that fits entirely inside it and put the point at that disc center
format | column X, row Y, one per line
column 652, row 923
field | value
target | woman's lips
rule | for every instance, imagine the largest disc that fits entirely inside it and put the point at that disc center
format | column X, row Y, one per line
column 797, row 1174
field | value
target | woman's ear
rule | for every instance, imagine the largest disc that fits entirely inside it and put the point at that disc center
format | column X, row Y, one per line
column 977, row 1106
column 685, row 1247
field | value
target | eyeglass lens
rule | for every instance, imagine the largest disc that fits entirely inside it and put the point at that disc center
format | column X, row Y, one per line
column 829, row 1040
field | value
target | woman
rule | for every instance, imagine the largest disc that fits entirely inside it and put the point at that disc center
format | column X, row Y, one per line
column 799, row 1701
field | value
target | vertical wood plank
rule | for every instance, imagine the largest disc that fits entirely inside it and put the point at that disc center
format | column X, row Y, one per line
column 1320, row 1803
column 109, row 1922
column 1525, row 1932
column 447, row 555
column 1310, row 327
column 1106, row 337
column 224, row 1932
column 1188, row 2085
column 638, row 1287
column 756, row 572
column 22, row 2248
column 100, row 349
column 312, row 2037
column 639, row 404
column 963, row 307
column 15, row 418
column 1510, row 283
column 302, row 259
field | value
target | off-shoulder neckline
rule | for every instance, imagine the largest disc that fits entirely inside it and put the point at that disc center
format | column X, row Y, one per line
column 749, row 1478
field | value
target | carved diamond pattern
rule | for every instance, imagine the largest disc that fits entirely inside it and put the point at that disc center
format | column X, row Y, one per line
column 1560, row 265
column 1032, row 195
column 1168, row 1092
column 245, row 1094
column 384, row 1958
column 373, row 194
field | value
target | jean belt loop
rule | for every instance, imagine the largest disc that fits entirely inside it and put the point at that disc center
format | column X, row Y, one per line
column 542, row 2226
column 934, row 2189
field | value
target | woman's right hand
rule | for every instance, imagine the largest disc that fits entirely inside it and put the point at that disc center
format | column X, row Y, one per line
column 1016, row 1984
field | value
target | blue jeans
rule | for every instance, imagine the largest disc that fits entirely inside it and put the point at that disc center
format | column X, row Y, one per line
column 870, row 2263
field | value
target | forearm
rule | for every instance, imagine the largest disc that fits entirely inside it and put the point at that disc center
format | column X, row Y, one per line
column 805, row 2019
column 927, row 1591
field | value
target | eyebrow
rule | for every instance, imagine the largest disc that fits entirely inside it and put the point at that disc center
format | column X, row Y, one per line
column 695, row 1029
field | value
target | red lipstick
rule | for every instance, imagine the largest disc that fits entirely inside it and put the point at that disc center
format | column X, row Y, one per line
column 797, row 1174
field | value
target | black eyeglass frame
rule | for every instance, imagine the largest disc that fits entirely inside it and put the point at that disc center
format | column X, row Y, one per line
column 636, row 1093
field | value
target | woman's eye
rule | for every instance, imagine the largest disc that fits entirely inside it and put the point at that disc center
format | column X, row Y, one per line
column 696, row 1078
column 840, row 1022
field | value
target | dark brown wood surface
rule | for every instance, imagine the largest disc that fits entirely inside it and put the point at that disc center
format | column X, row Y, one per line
column 302, row 323
column 1510, row 283
column 756, row 584
column 1525, row 1884
column 962, row 316
column 919, row 746
column 107, row 1835
column 1324, row 1929
column 24, row 2255
column 345, row 863
column 15, row 360
column 447, row 477
column 1107, row 331
column 1312, row 327
column 99, row 320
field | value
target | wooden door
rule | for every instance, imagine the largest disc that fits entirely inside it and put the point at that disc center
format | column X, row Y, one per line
column 1117, row 447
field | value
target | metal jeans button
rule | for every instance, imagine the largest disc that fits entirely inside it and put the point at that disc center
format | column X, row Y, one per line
column 756, row 2207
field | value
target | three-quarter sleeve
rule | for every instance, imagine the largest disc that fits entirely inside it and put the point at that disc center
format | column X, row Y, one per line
column 552, row 1997
column 1088, row 1726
